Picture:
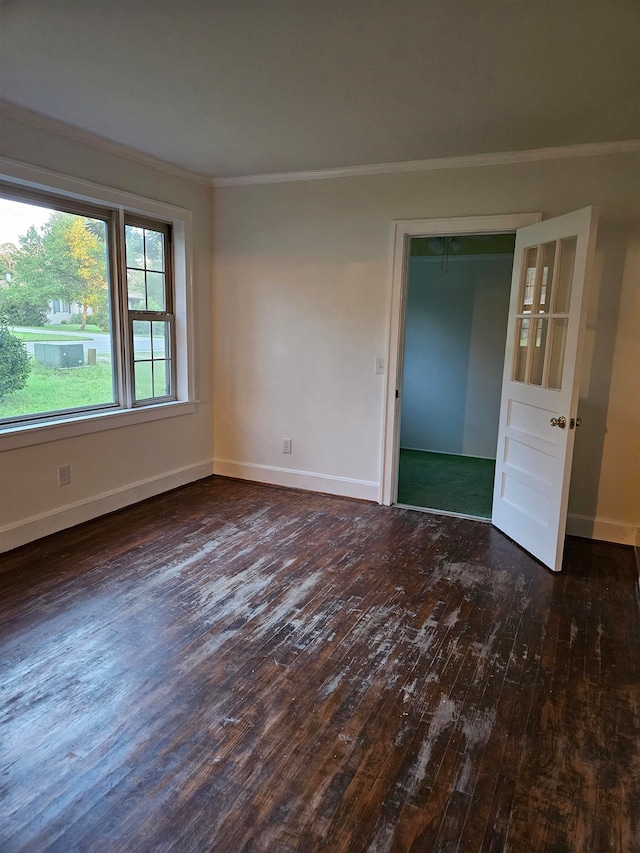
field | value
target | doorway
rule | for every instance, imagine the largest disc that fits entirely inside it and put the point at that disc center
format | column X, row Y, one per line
column 541, row 371
column 455, row 324
column 404, row 233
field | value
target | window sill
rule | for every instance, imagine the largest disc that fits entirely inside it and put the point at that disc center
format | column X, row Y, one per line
column 25, row 435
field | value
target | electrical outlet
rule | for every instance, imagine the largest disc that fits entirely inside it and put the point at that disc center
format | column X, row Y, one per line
column 286, row 445
column 64, row 475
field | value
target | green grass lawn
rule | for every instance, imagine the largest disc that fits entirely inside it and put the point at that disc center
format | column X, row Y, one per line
column 49, row 336
column 50, row 390
column 74, row 327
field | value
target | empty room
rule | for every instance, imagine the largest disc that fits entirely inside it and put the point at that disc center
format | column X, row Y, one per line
column 319, row 426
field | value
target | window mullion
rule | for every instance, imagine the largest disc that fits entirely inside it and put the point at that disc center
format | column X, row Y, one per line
column 125, row 325
column 114, row 308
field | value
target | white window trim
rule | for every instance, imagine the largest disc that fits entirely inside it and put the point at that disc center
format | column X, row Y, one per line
column 69, row 425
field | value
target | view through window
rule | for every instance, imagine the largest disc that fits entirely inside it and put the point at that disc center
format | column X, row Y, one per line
column 57, row 316
column 149, row 309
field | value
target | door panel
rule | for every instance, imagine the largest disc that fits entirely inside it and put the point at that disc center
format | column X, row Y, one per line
column 540, row 382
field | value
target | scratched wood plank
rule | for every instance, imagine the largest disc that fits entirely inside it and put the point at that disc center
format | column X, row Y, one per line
column 236, row 667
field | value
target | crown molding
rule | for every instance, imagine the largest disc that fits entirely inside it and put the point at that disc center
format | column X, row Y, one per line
column 37, row 177
column 94, row 140
column 590, row 149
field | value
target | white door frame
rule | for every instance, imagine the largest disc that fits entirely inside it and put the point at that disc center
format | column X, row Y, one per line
column 404, row 230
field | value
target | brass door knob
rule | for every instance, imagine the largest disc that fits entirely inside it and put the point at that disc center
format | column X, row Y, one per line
column 559, row 422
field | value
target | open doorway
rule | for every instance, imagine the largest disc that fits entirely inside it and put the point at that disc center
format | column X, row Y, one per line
column 404, row 232
column 538, row 414
column 455, row 322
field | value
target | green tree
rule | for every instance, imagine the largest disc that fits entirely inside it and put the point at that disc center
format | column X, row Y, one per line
column 89, row 257
column 8, row 252
column 15, row 364
column 21, row 305
column 64, row 260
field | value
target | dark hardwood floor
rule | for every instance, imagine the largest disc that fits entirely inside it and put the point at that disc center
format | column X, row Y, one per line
column 234, row 667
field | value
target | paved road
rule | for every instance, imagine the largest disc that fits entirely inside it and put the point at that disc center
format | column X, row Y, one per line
column 100, row 341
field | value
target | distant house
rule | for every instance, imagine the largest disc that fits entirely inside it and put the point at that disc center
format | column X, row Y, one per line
column 60, row 311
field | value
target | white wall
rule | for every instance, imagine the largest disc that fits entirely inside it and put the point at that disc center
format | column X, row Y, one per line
column 455, row 333
column 302, row 282
column 486, row 359
column 118, row 466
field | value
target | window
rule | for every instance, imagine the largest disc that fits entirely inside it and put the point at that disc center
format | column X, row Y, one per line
column 543, row 313
column 150, row 309
column 87, row 309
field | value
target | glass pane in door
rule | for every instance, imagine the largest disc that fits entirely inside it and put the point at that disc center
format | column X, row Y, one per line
column 520, row 354
column 556, row 352
column 539, row 339
column 545, row 292
column 565, row 275
column 543, row 301
column 527, row 286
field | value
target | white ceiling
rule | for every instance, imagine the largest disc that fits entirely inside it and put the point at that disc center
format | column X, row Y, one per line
column 240, row 87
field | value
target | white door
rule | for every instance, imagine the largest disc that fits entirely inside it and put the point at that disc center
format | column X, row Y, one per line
column 538, row 410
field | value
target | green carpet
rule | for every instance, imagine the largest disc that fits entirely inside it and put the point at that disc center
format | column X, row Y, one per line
column 441, row 481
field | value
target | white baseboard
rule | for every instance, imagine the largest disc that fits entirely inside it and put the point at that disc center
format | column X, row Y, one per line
column 37, row 526
column 605, row 529
column 308, row 480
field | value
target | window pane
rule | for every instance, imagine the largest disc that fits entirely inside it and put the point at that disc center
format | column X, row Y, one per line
column 55, row 298
column 155, row 291
column 152, row 362
column 521, row 346
column 136, row 297
column 539, row 338
column 141, row 340
column 565, row 276
column 143, row 381
column 556, row 353
column 544, row 297
column 160, row 333
column 149, row 292
column 134, row 238
column 154, row 250
column 527, row 285
column 161, row 378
